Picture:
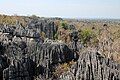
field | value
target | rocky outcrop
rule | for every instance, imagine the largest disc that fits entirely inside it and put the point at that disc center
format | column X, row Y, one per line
column 75, row 44
column 22, row 69
column 46, row 55
column 93, row 66
column 51, row 54
column 34, row 29
column 4, row 62
column 35, row 58
column 42, row 25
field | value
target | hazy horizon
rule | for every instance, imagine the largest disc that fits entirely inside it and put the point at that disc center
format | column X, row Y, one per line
column 95, row 9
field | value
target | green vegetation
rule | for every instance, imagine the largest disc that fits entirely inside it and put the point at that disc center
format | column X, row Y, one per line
column 64, row 25
column 86, row 35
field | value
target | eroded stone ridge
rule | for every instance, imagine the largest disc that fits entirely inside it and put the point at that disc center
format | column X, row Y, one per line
column 26, row 55
column 92, row 66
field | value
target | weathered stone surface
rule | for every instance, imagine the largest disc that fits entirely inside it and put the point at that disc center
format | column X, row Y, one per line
column 46, row 55
column 92, row 66
column 74, row 41
column 52, row 53
column 21, row 66
column 3, row 60
column 33, row 30
column 46, row 26
column 32, row 57
column 23, row 69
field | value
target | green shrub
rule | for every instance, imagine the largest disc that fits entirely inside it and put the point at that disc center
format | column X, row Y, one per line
column 86, row 35
column 64, row 25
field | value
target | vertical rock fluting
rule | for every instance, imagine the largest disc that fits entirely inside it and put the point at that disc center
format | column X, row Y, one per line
column 46, row 26
column 3, row 60
column 51, row 54
column 23, row 69
column 92, row 66
column 21, row 66
column 43, row 58
column 96, row 67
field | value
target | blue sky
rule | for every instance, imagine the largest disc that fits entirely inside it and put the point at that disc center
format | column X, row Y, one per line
column 62, row 8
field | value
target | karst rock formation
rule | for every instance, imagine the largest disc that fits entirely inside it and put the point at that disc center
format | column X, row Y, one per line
column 26, row 55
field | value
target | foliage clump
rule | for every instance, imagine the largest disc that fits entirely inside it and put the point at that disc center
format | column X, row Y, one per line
column 64, row 25
column 87, row 36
